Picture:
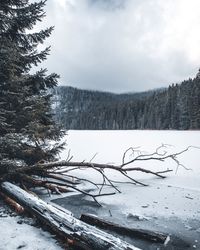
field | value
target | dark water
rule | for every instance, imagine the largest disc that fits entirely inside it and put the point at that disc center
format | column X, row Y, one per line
column 184, row 234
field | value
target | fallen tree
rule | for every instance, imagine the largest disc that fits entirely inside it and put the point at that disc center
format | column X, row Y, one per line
column 64, row 224
column 59, row 176
column 148, row 235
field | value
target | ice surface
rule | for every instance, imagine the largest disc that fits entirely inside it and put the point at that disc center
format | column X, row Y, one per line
column 176, row 196
column 171, row 205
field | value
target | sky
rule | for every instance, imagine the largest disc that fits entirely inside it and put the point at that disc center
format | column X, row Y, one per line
column 123, row 45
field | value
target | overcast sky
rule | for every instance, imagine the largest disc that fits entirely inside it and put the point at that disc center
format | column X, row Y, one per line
column 123, row 45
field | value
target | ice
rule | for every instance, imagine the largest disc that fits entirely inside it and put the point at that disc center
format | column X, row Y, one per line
column 176, row 196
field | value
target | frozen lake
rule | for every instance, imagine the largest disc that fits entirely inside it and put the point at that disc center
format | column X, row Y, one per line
column 172, row 205
column 109, row 146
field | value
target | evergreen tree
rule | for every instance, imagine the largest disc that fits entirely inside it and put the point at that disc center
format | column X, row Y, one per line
column 195, row 104
column 26, row 124
column 176, row 107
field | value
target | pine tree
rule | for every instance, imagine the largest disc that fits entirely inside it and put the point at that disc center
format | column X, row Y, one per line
column 26, row 123
column 195, row 104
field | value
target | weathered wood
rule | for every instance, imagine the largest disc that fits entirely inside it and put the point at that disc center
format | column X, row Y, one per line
column 17, row 207
column 133, row 232
column 62, row 222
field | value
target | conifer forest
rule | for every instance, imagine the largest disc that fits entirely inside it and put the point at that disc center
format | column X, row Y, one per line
column 176, row 107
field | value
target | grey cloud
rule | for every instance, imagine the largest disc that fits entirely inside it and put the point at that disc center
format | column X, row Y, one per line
column 121, row 46
column 108, row 5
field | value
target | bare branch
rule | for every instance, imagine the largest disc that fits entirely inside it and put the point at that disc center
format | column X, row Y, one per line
column 56, row 176
column 93, row 157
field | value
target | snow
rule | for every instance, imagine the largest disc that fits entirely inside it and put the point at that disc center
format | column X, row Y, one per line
column 174, row 200
column 16, row 234
column 177, row 196
column 56, row 215
column 109, row 146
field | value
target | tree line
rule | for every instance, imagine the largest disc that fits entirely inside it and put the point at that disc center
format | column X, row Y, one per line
column 175, row 107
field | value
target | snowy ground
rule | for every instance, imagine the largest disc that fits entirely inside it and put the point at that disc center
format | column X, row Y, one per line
column 171, row 205
column 21, row 233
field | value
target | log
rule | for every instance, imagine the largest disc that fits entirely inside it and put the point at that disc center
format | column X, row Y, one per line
column 64, row 224
column 17, row 207
column 131, row 232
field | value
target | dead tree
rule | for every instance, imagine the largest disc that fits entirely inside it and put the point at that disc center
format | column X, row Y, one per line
column 59, row 176
column 64, row 224
column 148, row 235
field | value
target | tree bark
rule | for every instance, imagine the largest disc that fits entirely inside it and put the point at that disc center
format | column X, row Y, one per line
column 17, row 207
column 132, row 232
column 64, row 224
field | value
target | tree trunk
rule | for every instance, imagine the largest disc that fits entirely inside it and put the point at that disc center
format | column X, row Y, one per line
column 17, row 207
column 132, row 232
column 64, row 224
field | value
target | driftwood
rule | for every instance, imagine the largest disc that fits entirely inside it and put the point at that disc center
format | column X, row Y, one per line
column 132, row 232
column 64, row 224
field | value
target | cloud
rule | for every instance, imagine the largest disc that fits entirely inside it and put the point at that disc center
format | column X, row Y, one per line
column 123, row 45
column 108, row 5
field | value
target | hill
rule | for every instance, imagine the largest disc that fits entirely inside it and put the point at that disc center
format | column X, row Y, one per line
column 176, row 107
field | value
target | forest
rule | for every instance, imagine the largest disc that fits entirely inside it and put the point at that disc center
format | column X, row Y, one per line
column 31, row 142
column 176, row 107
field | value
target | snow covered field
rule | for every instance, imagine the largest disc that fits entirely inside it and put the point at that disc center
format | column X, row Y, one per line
column 170, row 205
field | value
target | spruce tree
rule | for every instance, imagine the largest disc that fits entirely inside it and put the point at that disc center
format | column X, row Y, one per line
column 27, row 128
